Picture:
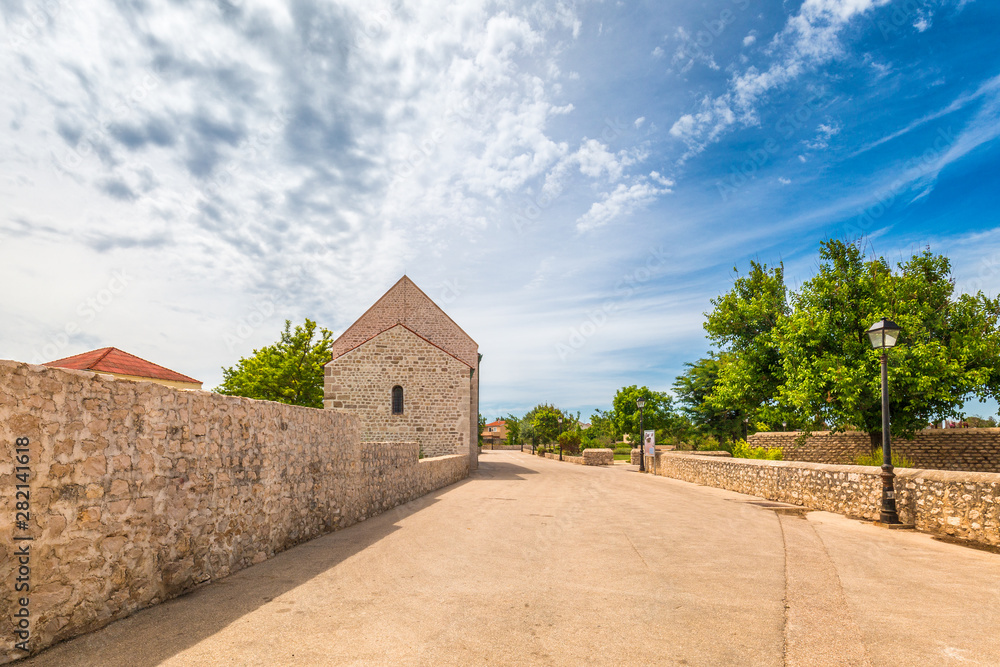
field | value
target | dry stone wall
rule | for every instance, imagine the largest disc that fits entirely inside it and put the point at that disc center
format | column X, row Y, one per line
column 961, row 504
column 968, row 449
column 436, row 392
column 140, row 492
column 588, row 457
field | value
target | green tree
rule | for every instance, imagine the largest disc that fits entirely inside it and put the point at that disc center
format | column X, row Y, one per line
column 482, row 425
column 569, row 441
column 657, row 414
column 290, row 371
column 545, row 423
column 743, row 325
column 513, row 430
column 694, row 390
column 949, row 348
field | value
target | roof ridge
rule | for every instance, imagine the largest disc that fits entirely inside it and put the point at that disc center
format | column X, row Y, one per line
column 109, row 351
column 151, row 363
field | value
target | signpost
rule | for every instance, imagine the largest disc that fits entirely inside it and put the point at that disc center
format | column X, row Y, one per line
column 649, row 445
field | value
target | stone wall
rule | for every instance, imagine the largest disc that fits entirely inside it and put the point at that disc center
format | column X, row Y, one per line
column 598, row 457
column 436, row 386
column 588, row 457
column 969, row 449
column 140, row 492
column 961, row 504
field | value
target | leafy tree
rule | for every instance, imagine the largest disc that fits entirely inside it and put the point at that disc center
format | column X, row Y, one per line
column 513, row 430
column 570, row 441
column 482, row 425
column 694, row 389
column 657, row 414
column 290, row 371
column 948, row 350
column 743, row 326
column 545, row 422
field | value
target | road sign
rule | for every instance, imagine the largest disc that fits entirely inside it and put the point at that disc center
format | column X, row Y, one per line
column 649, row 440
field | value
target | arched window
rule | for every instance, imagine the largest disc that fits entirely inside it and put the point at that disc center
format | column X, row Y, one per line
column 397, row 400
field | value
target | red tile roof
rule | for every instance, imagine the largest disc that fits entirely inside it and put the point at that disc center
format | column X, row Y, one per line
column 113, row 360
column 502, row 422
column 406, row 304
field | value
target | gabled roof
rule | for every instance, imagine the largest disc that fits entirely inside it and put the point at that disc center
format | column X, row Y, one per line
column 501, row 422
column 406, row 304
column 113, row 360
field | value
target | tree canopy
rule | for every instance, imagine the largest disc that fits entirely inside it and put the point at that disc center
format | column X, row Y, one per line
column 804, row 356
column 693, row 389
column 947, row 352
column 289, row 371
column 657, row 413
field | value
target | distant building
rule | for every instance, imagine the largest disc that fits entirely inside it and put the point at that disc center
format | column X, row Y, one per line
column 125, row 366
column 410, row 373
column 495, row 431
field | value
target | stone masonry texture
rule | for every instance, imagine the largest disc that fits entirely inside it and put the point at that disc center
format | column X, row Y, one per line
column 436, row 390
column 970, row 449
column 140, row 492
column 407, row 306
column 965, row 505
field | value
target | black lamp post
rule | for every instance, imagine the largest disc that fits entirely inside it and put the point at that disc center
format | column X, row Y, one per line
column 557, row 437
column 746, row 429
column 883, row 335
column 641, row 403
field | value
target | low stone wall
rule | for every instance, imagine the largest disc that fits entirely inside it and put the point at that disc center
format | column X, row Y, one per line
column 139, row 492
column 598, row 457
column 589, row 457
column 502, row 448
column 961, row 504
column 969, row 449
column 565, row 457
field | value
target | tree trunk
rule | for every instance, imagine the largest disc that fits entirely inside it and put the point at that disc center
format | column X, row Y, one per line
column 876, row 437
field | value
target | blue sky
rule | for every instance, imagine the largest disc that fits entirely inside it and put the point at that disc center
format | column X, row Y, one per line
column 571, row 181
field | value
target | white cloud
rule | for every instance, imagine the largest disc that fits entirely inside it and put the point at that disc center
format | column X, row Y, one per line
column 809, row 38
column 639, row 121
column 749, row 39
column 657, row 52
column 623, row 200
column 268, row 149
column 783, row 180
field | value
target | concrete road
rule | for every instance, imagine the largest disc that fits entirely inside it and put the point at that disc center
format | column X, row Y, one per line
column 536, row 562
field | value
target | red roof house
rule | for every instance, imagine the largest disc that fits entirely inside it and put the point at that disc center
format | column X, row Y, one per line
column 112, row 361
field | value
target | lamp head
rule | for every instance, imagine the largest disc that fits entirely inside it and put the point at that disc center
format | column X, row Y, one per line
column 883, row 334
column 640, row 402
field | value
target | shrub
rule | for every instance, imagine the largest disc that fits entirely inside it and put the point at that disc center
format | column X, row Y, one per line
column 741, row 450
column 570, row 442
column 874, row 458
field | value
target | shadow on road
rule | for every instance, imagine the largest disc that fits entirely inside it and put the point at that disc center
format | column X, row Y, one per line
column 158, row 633
column 500, row 471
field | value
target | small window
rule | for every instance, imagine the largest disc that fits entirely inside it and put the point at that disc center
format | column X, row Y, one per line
column 397, row 400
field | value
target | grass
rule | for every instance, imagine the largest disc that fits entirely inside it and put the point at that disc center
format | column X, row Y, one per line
column 875, row 459
column 623, row 457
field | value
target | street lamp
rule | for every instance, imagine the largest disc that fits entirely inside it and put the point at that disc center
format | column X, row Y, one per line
column 641, row 403
column 883, row 335
column 557, row 437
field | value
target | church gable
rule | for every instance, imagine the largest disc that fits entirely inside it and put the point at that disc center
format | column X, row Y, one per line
column 406, row 304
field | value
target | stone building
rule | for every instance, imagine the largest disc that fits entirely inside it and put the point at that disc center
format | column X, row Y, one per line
column 410, row 373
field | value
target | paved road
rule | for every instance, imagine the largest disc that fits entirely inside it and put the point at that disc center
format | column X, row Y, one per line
column 536, row 562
